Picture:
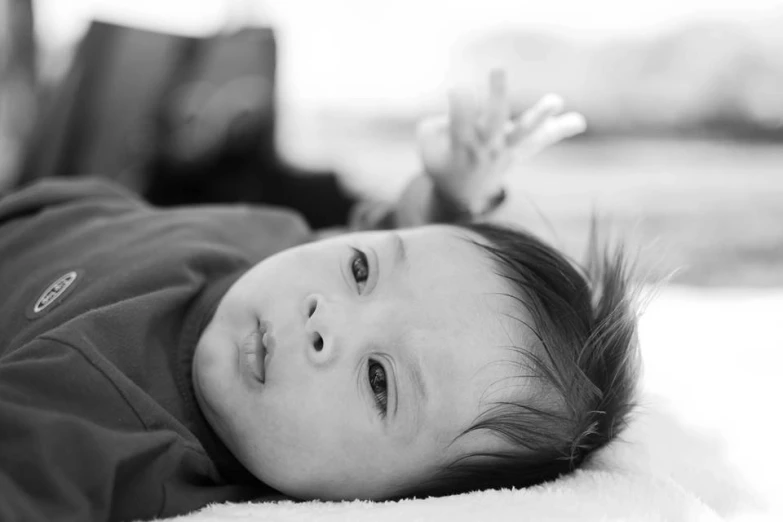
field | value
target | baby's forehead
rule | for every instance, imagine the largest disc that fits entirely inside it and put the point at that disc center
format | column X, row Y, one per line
column 471, row 313
column 479, row 363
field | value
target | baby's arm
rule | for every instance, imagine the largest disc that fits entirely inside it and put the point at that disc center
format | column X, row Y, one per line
column 466, row 156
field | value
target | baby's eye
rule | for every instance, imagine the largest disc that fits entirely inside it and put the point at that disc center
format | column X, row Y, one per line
column 360, row 268
column 377, row 377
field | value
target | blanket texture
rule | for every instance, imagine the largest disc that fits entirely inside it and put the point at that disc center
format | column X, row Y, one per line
column 702, row 445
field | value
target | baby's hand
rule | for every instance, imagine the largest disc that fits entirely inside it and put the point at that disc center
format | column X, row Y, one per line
column 469, row 153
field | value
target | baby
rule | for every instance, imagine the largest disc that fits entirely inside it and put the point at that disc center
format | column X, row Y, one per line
column 154, row 361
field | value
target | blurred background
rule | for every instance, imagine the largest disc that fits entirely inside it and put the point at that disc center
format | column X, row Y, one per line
column 684, row 102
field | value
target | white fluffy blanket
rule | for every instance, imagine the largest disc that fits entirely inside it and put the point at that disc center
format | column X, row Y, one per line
column 703, row 445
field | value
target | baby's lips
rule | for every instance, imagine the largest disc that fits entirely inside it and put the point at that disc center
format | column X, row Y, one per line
column 255, row 352
column 265, row 345
column 260, row 362
column 269, row 342
column 265, row 331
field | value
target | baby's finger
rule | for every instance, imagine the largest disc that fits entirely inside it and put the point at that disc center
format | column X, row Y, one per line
column 555, row 130
column 461, row 117
column 548, row 106
column 538, row 115
column 497, row 112
column 560, row 128
column 568, row 125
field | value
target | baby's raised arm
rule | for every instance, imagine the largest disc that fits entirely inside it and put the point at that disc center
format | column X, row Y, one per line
column 466, row 156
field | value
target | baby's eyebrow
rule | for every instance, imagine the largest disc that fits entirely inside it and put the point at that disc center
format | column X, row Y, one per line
column 419, row 385
column 400, row 251
column 418, row 381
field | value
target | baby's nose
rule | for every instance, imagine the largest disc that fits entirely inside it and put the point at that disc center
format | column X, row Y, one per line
column 311, row 304
column 320, row 339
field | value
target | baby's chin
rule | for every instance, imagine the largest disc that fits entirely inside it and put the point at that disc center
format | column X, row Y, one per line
column 214, row 382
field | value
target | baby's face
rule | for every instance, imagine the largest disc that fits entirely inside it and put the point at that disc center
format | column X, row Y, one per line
column 381, row 347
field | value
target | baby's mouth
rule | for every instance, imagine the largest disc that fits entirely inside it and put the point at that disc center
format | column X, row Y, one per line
column 259, row 368
column 254, row 350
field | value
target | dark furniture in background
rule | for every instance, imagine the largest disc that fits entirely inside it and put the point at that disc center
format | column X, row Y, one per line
column 178, row 120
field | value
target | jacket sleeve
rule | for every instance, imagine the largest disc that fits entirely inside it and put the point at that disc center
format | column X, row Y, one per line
column 71, row 448
column 58, row 192
column 420, row 203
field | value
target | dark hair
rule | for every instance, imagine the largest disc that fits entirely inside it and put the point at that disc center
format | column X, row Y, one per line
column 584, row 356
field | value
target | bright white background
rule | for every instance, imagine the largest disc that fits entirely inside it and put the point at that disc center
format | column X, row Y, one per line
column 339, row 52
